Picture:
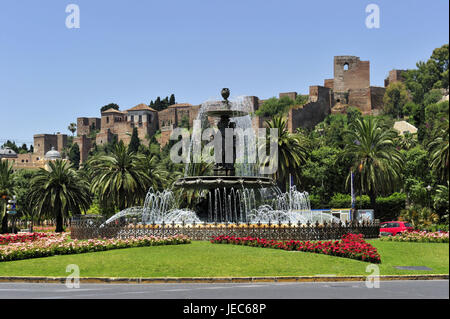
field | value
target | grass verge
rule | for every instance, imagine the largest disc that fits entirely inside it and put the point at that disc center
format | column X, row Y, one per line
column 203, row 259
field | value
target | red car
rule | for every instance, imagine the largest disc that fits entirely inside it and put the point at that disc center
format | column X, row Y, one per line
column 393, row 228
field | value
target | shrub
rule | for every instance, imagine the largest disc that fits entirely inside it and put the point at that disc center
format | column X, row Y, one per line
column 345, row 201
column 419, row 236
column 350, row 246
column 389, row 208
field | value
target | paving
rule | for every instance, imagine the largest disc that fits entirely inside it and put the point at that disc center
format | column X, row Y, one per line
column 395, row 289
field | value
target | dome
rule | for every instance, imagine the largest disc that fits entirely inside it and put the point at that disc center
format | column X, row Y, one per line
column 7, row 153
column 52, row 154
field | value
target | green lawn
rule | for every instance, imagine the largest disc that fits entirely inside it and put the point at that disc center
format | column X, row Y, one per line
column 203, row 259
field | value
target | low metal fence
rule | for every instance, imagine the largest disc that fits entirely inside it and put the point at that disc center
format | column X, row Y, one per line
column 89, row 228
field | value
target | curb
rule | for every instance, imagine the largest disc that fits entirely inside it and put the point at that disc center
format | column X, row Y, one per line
column 160, row 280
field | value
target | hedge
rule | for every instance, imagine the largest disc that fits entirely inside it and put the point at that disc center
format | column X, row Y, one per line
column 387, row 208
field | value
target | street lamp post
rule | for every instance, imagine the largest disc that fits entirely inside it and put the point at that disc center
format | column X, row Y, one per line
column 352, row 215
column 11, row 210
column 429, row 188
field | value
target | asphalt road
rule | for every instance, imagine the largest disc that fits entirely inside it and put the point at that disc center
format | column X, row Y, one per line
column 409, row 289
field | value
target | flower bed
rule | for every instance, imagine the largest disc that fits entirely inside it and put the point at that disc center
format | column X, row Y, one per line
column 419, row 236
column 350, row 246
column 59, row 244
column 6, row 239
column 44, row 229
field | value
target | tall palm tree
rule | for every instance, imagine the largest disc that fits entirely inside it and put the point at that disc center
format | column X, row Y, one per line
column 6, row 190
column 439, row 152
column 58, row 191
column 119, row 178
column 292, row 152
column 73, row 128
column 158, row 175
column 376, row 160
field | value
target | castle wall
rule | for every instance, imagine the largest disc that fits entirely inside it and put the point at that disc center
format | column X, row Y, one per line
column 104, row 137
column 328, row 83
column 44, row 143
column 357, row 76
column 291, row 95
column 360, row 98
column 312, row 113
column 394, row 76
column 376, row 98
column 85, row 125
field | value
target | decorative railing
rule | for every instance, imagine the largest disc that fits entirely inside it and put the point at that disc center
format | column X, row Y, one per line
column 87, row 229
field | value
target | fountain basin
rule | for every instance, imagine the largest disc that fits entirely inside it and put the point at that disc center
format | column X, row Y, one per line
column 225, row 113
column 211, row 182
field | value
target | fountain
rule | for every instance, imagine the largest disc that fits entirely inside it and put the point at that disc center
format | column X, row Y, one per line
column 234, row 193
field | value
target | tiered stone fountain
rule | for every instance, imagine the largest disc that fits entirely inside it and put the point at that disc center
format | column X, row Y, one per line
column 228, row 195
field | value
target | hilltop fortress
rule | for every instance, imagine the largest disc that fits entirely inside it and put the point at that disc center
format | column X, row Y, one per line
column 350, row 86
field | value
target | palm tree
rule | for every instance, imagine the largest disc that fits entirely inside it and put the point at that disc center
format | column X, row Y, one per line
column 292, row 152
column 6, row 190
column 375, row 157
column 159, row 176
column 119, row 178
column 439, row 152
column 407, row 141
column 72, row 127
column 58, row 191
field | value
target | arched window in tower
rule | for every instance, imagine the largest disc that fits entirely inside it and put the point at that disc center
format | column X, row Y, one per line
column 345, row 66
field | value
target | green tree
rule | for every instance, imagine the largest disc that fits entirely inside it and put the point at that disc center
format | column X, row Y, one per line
column 353, row 114
column 74, row 155
column 158, row 105
column 376, row 161
column 292, row 153
column 157, row 172
column 59, row 191
column 432, row 74
column 439, row 152
column 395, row 98
column 119, row 178
column 172, row 99
column 109, row 106
column 134, row 142
column 6, row 190
column 324, row 172
column 22, row 186
column 274, row 106
column 301, row 99
column 165, row 103
column 431, row 97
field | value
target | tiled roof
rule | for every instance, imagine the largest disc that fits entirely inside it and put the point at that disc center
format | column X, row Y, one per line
column 141, row 107
column 111, row 110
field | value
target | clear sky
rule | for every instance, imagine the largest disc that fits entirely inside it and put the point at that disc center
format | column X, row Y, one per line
column 129, row 52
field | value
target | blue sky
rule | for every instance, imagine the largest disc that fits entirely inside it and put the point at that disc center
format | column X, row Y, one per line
column 132, row 51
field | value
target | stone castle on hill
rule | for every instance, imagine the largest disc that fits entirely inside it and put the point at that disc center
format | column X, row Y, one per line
column 350, row 86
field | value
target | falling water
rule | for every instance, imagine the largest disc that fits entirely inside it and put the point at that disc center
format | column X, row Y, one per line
column 229, row 205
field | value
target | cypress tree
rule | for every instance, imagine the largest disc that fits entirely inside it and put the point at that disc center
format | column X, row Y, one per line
column 172, row 99
column 74, row 155
column 134, row 143
column 165, row 103
column 158, row 104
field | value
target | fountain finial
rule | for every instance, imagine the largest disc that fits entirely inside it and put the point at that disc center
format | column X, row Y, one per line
column 225, row 94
